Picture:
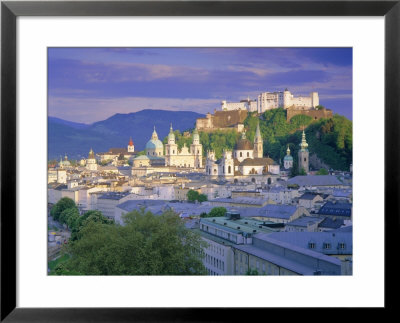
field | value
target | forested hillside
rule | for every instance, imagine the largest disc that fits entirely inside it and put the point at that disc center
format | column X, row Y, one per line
column 329, row 139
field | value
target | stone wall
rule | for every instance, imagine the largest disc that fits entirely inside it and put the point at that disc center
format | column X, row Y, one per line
column 315, row 114
column 221, row 119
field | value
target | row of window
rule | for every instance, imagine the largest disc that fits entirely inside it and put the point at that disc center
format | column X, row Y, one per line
column 263, row 268
column 215, row 262
column 215, row 249
column 327, row 245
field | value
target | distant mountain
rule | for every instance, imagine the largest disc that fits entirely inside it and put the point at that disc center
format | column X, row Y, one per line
column 75, row 125
column 75, row 139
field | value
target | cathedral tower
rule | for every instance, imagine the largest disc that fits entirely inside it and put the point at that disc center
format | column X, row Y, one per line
column 196, row 149
column 303, row 154
column 171, row 148
column 258, row 143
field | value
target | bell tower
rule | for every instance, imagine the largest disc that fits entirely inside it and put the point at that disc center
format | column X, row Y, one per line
column 303, row 154
column 258, row 143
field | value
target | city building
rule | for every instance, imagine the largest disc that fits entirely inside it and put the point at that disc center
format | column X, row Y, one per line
column 285, row 99
column 247, row 104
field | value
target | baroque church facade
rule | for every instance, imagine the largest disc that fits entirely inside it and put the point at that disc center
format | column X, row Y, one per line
column 246, row 159
column 186, row 157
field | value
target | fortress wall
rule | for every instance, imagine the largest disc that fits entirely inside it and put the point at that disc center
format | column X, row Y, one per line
column 223, row 119
column 315, row 114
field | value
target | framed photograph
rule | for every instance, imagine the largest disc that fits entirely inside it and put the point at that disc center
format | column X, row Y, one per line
column 234, row 126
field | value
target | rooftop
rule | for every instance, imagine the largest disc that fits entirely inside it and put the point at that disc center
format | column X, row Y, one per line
column 114, row 195
column 236, row 226
column 339, row 209
column 315, row 180
column 320, row 240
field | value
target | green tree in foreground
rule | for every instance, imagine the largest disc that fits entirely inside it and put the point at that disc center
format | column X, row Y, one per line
column 252, row 272
column 60, row 206
column 145, row 245
column 85, row 219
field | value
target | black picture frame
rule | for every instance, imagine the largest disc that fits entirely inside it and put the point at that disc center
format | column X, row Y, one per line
column 10, row 10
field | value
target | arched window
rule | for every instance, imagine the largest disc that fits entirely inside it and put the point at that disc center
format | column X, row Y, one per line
column 229, row 169
column 305, row 159
column 215, row 170
column 240, row 154
column 248, row 154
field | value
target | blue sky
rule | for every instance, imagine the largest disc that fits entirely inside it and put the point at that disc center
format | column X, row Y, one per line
column 91, row 84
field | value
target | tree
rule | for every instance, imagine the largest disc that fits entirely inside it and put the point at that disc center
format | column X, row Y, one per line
column 217, row 211
column 202, row 198
column 302, row 172
column 252, row 272
column 85, row 219
column 193, row 195
column 323, row 171
column 60, row 206
column 145, row 245
column 70, row 216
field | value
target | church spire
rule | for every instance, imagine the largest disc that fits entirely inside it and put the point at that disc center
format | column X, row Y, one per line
column 154, row 135
column 303, row 144
column 258, row 133
column 288, row 151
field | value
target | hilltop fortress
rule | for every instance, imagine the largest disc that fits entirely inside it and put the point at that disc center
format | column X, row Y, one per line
column 233, row 114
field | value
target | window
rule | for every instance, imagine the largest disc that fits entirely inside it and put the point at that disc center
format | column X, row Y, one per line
column 342, row 245
column 248, row 154
column 327, row 245
column 229, row 169
column 311, row 245
column 240, row 154
column 305, row 159
column 241, row 258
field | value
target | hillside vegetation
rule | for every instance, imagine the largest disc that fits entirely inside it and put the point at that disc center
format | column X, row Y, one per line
column 329, row 139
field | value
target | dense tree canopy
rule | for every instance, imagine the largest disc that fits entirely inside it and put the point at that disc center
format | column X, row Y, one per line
column 63, row 204
column 215, row 212
column 193, row 195
column 330, row 139
column 145, row 245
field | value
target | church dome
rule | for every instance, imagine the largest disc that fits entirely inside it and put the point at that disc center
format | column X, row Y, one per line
column 288, row 158
column 243, row 143
column 154, row 143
